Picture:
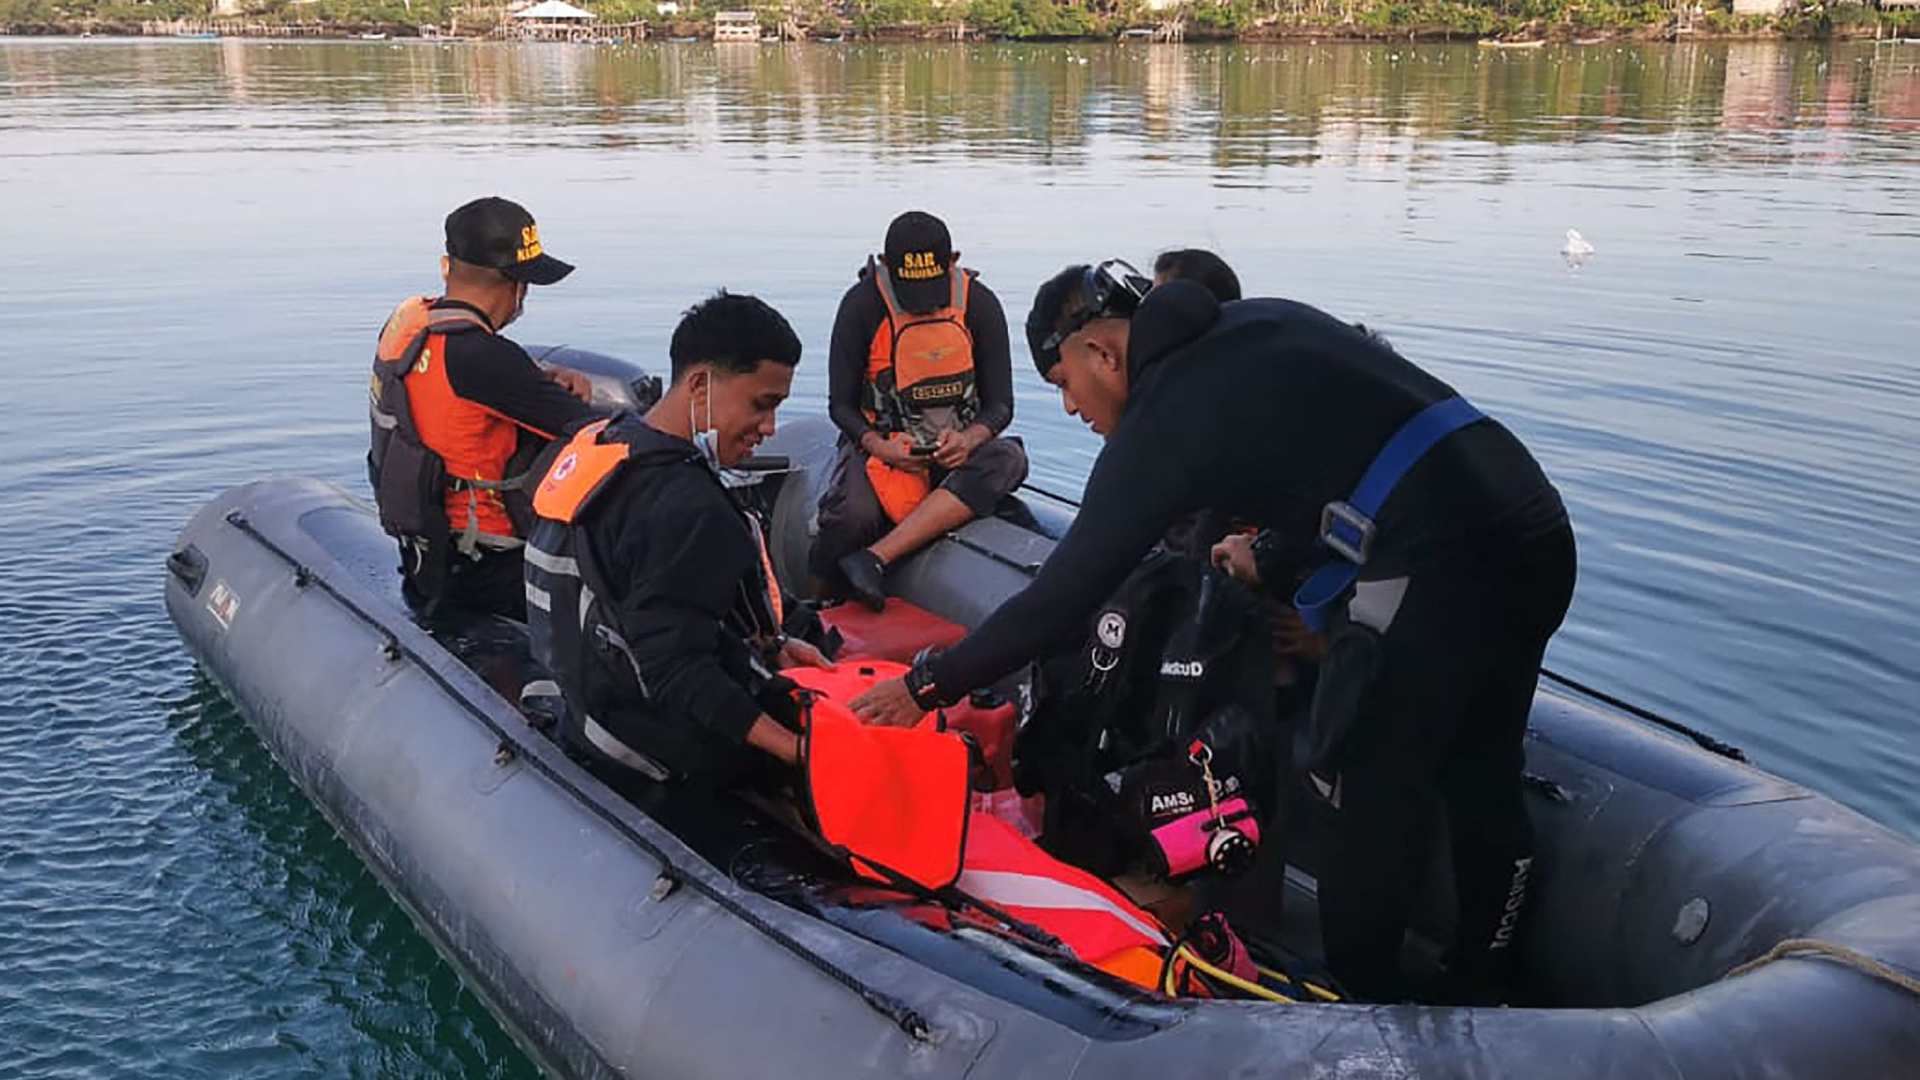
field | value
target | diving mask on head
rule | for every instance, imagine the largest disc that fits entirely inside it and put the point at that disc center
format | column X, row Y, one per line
column 1113, row 288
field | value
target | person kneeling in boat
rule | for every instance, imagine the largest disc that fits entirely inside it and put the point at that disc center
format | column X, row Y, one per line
column 920, row 383
column 1445, row 560
column 460, row 414
column 649, row 593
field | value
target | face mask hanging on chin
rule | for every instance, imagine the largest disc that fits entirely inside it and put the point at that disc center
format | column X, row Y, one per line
column 706, row 439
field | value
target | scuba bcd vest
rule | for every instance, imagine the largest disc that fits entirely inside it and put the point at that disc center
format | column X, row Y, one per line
column 920, row 364
column 575, row 633
column 411, row 482
column 1172, row 689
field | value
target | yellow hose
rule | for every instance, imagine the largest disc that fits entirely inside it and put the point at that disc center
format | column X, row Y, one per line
column 1320, row 992
column 1229, row 978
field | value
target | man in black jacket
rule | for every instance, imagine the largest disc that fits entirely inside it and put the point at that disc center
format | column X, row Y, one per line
column 920, row 384
column 648, row 589
column 1271, row 411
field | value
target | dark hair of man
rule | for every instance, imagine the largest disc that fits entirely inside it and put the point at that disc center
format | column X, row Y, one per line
column 472, row 276
column 1059, row 303
column 1203, row 266
column 734, row 333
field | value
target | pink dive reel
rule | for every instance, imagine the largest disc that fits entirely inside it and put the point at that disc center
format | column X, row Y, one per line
column 1223, row 838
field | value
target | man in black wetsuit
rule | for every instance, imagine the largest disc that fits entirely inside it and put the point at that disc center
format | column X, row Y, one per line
column 920, row 384
column 1271, row 411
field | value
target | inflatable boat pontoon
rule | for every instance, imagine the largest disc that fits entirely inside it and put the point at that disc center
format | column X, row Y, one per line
column 622, row 933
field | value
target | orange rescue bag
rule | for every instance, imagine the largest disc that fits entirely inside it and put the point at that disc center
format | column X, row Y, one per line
column 898, row 490
column 893, row 801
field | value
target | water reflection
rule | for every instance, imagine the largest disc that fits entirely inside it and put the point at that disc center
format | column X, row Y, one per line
column 1242, row 107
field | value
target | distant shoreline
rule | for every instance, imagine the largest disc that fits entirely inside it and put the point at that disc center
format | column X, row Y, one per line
column 1514, row 34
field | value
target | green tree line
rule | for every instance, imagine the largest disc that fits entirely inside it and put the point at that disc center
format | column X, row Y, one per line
column 1033, row 19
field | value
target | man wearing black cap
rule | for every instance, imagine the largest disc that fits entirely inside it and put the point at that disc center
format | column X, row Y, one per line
column 920, row 383
column 460, row 412
column 1442, row 561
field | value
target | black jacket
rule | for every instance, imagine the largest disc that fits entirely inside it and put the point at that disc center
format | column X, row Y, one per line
column 498, row 375
column 860, row 315
column 677, row 552
column 1264, row 410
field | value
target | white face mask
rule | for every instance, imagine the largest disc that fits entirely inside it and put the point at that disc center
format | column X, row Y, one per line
column 519, row 306
column 706, row 438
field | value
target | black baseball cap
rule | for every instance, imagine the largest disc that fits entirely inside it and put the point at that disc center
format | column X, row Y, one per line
column 499, row 233
column 919, row 255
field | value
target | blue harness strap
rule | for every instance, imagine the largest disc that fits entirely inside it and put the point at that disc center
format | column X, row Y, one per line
column 1346, row 528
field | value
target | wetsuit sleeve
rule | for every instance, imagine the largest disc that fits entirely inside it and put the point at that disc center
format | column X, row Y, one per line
column 682, row 581
column 1142, row 481
column 499, row 376
column 847, row 350
column 992, row 358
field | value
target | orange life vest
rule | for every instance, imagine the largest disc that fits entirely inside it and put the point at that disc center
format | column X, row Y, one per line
column 585, row 466
column 475, row 442
column 920, row 365
column 919, row 383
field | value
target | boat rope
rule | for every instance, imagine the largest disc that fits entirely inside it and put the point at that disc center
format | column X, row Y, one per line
column 1054, row 495
column 903, row 1015
column 1700, row 738
column 1840, row 954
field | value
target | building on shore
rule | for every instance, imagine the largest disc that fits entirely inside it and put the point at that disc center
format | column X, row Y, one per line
column 736, row 26
column 1759, row 7
column 551, row 20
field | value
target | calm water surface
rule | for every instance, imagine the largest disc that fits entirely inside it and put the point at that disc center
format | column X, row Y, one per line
column 201, row 239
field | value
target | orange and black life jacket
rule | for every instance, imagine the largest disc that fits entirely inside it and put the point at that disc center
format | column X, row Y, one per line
column 920, row 364
column 439, row 464
column 571, row 605
column 893, row 802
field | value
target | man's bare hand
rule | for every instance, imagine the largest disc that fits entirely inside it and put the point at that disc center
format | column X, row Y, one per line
column 1292, row 638
column 894, row 452
column 573, row 382
column 797, row 653
column 887, row 704
column 955, row 447
column 767, row 734
column 1235, row 556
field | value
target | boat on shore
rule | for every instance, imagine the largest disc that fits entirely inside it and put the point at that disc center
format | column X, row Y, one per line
column 1695, row 916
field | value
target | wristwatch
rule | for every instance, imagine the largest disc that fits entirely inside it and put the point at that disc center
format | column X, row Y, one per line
column 920, row 685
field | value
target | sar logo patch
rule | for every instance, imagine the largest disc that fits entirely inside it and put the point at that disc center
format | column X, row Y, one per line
column 564, row 468
column 1111, row 630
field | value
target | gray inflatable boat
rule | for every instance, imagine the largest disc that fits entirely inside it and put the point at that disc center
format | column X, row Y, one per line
column 619, row 933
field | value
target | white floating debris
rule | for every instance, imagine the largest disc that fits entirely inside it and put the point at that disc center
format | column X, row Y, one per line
column 1577, row 250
